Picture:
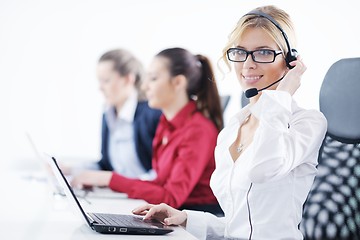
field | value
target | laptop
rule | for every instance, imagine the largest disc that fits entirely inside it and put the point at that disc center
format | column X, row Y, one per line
column 42, row 163
column 106, row 222
column 93, row 192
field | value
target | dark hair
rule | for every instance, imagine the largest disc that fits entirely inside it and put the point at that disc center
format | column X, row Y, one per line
column 125, row 63
column 200, row 78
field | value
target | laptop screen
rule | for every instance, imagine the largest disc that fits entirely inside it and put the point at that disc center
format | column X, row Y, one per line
column 74, row 202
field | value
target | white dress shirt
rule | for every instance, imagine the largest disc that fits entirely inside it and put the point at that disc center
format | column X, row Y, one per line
column 268, row 184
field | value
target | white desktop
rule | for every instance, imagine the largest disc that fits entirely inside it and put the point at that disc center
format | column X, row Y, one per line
column 30, row 210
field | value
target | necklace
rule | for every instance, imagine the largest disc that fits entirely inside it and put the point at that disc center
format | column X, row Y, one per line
column 241, row 146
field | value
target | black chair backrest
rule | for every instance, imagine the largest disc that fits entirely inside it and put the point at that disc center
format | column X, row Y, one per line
column 332, row 209
column 340, row 100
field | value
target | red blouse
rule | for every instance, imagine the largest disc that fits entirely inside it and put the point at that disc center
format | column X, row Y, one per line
column 183, row 158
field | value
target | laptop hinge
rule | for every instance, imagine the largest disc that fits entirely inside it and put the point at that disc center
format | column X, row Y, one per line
column 91, row 219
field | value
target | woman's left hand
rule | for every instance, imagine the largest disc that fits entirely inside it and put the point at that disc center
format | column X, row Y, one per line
column 92, row 178
column 292, row 79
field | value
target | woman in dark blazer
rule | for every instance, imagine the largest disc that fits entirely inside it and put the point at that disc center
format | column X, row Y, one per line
column 146, row 120
column 128, row 124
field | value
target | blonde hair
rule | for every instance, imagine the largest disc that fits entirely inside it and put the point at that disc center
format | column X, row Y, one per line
column 126, row 63
column 255, row 21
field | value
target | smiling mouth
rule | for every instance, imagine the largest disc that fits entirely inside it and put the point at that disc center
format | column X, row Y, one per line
column 252, row 79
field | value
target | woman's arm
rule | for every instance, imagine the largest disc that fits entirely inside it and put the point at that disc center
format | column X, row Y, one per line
column 200, row 224
column 193, row 155
column 286, row 137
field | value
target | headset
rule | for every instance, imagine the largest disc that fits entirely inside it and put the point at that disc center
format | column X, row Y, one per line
column 292, row 53
column 290, row 56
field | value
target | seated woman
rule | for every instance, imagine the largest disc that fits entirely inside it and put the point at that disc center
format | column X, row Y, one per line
column 128, row 124
column 266, row 156
column 181, row 85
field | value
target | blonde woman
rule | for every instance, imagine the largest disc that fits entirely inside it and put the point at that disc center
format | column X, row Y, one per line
column 266, row 156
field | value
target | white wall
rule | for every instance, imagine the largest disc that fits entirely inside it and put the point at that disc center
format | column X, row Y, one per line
column 49, row 50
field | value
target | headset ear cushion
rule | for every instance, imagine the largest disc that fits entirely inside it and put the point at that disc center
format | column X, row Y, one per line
column 291, row 56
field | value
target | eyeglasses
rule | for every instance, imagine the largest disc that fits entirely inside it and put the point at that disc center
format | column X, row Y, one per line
column 259, row 56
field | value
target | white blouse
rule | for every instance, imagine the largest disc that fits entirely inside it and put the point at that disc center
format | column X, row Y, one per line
column 263, row 191
column 122, row 150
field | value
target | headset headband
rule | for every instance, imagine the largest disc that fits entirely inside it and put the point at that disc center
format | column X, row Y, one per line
column 291, row 55
column 276, row 24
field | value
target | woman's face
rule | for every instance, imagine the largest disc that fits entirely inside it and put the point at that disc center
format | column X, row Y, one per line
column 258, row 75
column 111, row 83
column 159, row 88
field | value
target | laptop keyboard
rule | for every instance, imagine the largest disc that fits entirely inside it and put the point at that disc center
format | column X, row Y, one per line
column 120, row 220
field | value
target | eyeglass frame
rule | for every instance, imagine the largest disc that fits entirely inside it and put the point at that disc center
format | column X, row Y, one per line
column 276, row 53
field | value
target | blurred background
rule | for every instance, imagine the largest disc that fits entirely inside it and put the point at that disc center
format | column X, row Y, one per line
column 49, row 52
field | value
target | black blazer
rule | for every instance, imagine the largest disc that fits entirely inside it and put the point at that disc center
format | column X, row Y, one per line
column 146, row 120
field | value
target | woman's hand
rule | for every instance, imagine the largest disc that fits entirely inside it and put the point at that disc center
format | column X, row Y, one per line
column 292, row 79
column 92, row 178
column 162, row 212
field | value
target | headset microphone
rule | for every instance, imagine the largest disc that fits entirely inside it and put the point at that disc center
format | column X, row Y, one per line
column 251, row 92
column 290, row 56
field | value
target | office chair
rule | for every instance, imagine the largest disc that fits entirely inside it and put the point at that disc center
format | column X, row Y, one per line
column 332, row 209
column 224, row 101
column 244, row 100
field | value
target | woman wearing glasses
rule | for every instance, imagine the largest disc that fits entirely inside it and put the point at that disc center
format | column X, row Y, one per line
column 182, row 85
column 266, row 156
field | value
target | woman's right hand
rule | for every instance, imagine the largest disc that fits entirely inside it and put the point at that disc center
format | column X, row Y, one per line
column 292, row 79
column 162, row 212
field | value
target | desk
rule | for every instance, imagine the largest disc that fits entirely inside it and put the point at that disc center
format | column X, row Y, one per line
column 30, row 211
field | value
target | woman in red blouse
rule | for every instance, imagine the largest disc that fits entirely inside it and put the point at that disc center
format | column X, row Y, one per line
column 182, row 85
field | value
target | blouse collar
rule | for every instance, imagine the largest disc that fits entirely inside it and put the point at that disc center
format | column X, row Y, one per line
column 181, row 117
